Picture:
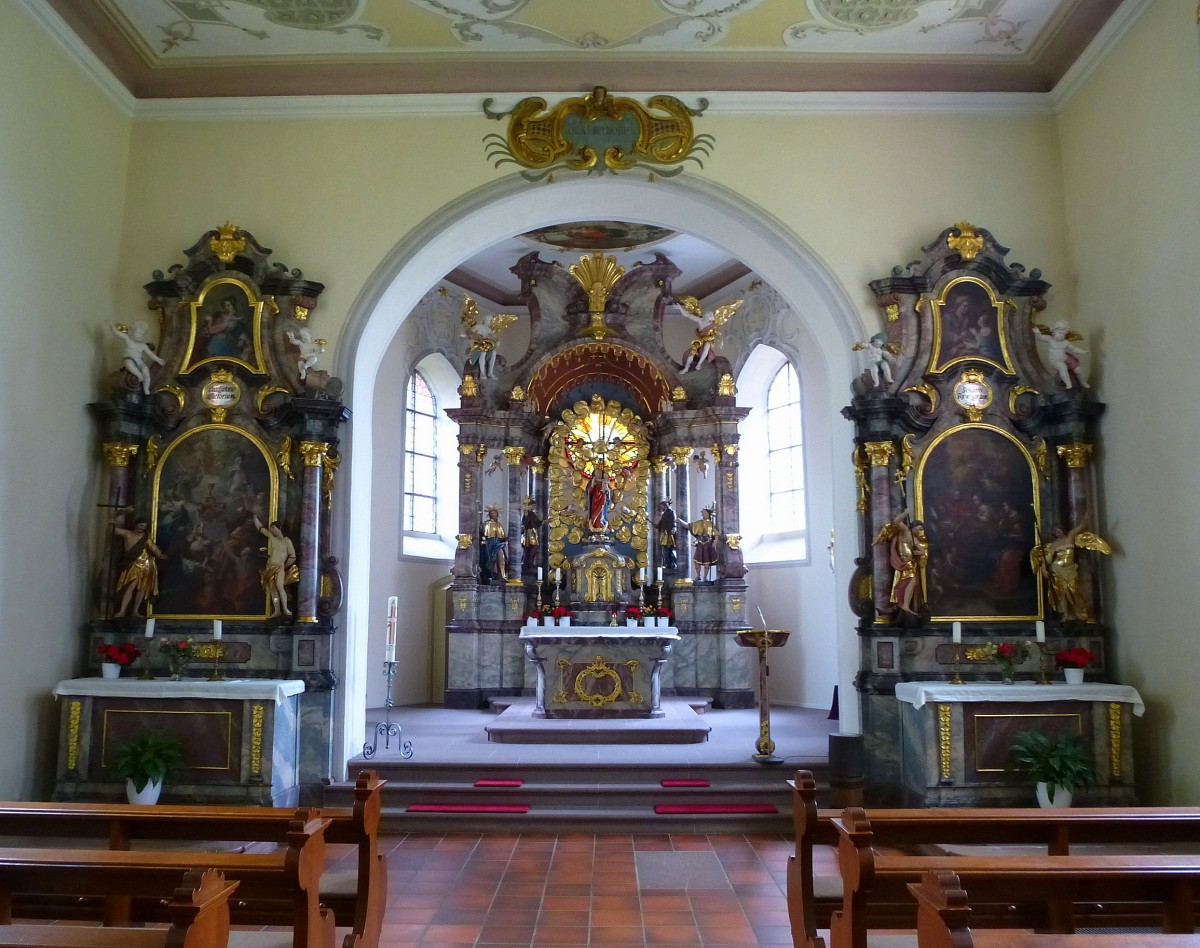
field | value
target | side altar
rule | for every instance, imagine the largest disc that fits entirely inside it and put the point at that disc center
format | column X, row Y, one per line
column 956, row 739
column 598, row 671
column 241, row 738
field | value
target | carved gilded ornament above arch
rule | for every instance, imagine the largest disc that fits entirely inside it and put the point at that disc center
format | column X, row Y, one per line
column 599, row 361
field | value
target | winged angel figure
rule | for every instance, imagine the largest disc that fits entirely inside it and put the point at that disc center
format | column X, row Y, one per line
column 482, row 333
column 1055, row 561
column 708, row 329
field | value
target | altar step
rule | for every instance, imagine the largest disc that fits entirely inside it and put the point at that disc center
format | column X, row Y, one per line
column 612, row 798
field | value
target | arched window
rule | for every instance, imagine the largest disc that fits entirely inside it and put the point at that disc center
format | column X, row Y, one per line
column 420, row 457
column 785, row 450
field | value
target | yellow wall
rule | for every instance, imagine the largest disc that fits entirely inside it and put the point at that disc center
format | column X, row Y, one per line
column 1130, row 143
column 63, row 159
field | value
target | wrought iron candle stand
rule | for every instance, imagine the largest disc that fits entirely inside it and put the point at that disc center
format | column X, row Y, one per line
column 387, row 727
column 763, row 639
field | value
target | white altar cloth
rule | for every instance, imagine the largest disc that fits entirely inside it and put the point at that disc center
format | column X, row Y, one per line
column 917, row 693
column 599, row 632
column 234, row 689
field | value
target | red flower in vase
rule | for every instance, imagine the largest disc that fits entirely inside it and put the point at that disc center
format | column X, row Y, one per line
column 1078, row 657
column 119, row 654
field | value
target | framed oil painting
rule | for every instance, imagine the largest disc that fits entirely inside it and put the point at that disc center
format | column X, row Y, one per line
column 968, row 324
column 977, row 496
column 208, row 487
column 226, row 326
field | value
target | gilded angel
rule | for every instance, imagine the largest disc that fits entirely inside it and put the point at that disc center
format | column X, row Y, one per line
column 708, row 329
column 482, row 333
column 1055, row 561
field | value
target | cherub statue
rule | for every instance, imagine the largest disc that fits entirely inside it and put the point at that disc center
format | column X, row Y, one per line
column 1062, row 353
column 483, row 336
column 879, row 357
column 1055, row 561
column 137, row 352
column 310, row 350
column 708, row 330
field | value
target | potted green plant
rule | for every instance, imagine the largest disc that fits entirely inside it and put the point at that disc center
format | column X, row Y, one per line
column 1057, row 763
column 145, row 762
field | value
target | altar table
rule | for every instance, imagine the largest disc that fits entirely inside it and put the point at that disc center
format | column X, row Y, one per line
column 240, row 737
column 598, row 671
column 955, row 739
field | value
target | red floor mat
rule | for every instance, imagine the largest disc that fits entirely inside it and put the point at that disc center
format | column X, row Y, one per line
column 468, row 808
column 669, row 809
column 686, row 783
column 499, row 783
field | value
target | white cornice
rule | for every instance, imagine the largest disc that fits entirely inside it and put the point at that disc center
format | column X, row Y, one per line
column 1126, row 15
column 738, row 103
column 79, row 54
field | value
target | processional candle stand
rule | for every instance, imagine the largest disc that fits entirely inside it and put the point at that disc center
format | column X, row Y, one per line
column 763, row 639
column 387, row 727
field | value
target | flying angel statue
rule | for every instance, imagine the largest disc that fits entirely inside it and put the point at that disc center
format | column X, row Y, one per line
column 708, row 330
column 482, row 333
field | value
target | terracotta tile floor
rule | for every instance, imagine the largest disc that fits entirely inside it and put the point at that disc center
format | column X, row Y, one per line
column 582, row 890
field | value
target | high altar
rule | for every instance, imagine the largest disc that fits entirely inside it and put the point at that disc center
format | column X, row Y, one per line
column 597, row 426
column 979, row 529
column 219, row 445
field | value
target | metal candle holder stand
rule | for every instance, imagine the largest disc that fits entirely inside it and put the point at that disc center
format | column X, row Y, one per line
column 958, row 678
column 387, row 727
column 1043, row 648
column 763, row 639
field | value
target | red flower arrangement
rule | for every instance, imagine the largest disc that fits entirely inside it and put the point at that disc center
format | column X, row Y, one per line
column 633, row 612
column 1077, row 657
column 125, row 654
column 561, row 612
column 663, row 611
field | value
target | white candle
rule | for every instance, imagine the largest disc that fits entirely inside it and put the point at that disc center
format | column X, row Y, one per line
column 956, row 633
column 150, row 628
column 539, row 574
column 660, row 574
column 641, row 577
column 389, row 653
column 557, row 575
column 1041, row 630
column 216, row 629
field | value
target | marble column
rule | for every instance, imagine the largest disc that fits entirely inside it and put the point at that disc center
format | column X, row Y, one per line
column 117, row 456
column 514, row 454
column 466, row 556
column 308, row 552
column 681, row 456
column 729, row 512
column 880, row 454
column 660, row 490
column 1077, row 457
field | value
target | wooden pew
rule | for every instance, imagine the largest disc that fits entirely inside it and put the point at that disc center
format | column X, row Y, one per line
column 1012, row 891
column 358, row 899
column 944, row 921
column 813, row 896
column 290, row 875
column 199, row 914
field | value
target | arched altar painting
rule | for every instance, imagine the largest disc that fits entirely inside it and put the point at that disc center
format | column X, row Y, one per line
column 208, row 488
column 975, row 494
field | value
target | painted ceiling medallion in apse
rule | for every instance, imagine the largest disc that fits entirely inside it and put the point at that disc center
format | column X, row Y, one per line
column 598, row 235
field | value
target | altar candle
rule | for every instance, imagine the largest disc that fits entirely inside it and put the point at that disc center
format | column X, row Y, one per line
column 641, row 577
column 539, row 574
column 389, row 653
column 150, row 628
column 956, row 633
column 1041, row 630
column 660, row 574
column 557, row 575
column 216, row 630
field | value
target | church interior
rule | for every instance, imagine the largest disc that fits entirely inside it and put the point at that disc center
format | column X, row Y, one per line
column 409, row 387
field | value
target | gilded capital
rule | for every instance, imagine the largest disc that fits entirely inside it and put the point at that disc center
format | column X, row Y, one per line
column 314, row 452
column 514, row 453
column 465, row 540
column 725, row 385
column 660, row 464
column 678, row 394
column 469, row 387
column 118, row 454
column 879, row 452
column 517, row 394
column 537, row 464
column 681, row 455
column 733, row 541
column 1076, row 455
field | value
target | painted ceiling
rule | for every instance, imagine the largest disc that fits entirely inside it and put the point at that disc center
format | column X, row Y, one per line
column 172, row 48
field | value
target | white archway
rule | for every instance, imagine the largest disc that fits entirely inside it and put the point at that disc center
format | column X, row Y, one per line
column 512, row 206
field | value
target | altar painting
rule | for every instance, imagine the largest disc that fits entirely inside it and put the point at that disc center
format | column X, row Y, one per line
column 976, row 495
column 968, row 324
column 225, row 324
column 209, row 487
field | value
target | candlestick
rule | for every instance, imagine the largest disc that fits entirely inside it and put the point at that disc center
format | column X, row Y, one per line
column 956, row 633
column 1041, row 630
column 150, row 628
column 216, row 630
column 389, row 654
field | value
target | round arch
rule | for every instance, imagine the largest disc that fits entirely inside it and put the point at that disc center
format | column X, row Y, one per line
column 511, row 206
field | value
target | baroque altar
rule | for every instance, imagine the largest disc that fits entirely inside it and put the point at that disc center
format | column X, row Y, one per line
column 596, row 428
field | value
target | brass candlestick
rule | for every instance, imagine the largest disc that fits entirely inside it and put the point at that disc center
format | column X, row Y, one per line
column 958, row 678
column 213, row 651
column 1042, row 648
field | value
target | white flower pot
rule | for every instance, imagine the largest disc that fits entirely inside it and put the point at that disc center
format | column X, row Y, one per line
column 1062, row 798
column 531, row 622
column 147, row 797
column 110, row 670
column 662, row 621
column 631, row 623
column 648, row 622
column 565, row 620
column 1074, row 676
